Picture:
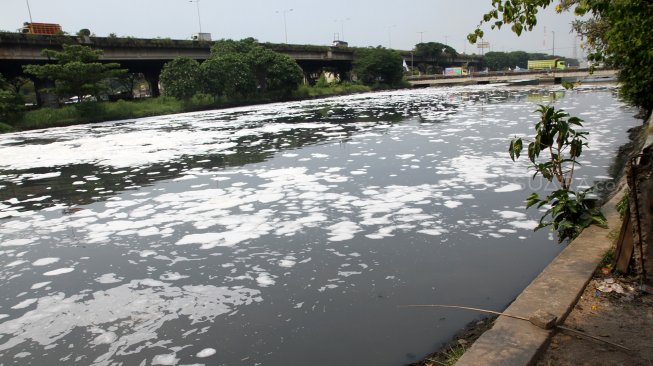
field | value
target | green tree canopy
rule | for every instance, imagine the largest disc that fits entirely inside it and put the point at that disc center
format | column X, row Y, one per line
column 11, row 102
column 234, row 69
column 434, row 51
column 271, row 70
column 227, row 46
column 76, row 72
column 378, row 65
column 504, row 60
column 228, row 74
column 617, row 32
column 181, row 78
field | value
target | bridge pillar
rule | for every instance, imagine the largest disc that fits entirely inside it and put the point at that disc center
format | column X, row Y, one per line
column 44, row 95
column 152, row 79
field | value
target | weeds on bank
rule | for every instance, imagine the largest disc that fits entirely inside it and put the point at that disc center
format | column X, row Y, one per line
column 449, row 357
column 88, row 112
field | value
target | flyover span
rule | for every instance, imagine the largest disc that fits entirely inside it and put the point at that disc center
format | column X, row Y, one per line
column 516, row 77
column 147, row 56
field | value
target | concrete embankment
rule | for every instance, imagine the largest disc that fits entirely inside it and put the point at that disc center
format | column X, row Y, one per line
column 555, row 291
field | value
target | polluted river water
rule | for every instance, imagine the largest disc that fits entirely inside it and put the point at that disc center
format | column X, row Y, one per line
column 279, row 234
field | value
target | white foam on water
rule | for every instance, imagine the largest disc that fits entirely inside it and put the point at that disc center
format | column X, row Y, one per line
column 44, row 176
column 17, row 242
column 105, row 338
column 58, row 272
column 452, row 204
column 528, row 224
column 172, row 276
column 40, row 284
column 25, row 303
column 165, row 360
column 344, row 230
column 264, row 280
column 511, row 214
column 116, row 307
column 45, row 261
column 206, row 352
column 286, row 263
column 108, row 278
column 15, row 263
column 512, row 187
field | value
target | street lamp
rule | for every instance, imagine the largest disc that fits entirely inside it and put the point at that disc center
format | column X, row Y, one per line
column 421, row 36
column 554, row 43
column 285, row 27
column 199, row 21
column 342, row 28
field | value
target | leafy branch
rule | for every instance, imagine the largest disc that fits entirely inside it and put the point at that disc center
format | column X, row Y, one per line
column 554, row 154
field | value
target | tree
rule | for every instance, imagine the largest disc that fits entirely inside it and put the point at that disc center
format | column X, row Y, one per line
column 435, row 51
column 181, row 78
column 227, row 46
column 282, row 74
column 11, row 102
column 77, row 71
column 561, row 144
column 378, row 65
column 228, row 75
column 272, row 71
column 617, row 33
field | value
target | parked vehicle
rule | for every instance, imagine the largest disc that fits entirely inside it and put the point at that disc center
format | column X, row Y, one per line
column 554, row 64
column 41, row 28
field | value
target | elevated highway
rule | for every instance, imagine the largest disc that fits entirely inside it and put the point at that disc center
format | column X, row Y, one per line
column 147, row 56
column 515, row 77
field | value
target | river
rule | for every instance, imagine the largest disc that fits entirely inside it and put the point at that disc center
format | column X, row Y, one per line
column 280, row 234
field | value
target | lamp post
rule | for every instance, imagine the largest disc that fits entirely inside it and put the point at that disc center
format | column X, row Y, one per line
column 342, row 28
column 199, row 20
column 285, row 27
column 29, row 11
column 421, row 36
column 554, row 43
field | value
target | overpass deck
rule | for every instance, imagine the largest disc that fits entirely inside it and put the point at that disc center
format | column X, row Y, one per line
column 509, row 77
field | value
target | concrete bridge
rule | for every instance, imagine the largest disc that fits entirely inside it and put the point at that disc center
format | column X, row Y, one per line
column 514, row 77
column 147, row 56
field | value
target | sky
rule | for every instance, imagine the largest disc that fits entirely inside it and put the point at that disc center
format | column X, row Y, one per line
column 362, row 23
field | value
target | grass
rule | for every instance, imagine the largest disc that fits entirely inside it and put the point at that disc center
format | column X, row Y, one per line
column 449, row 357
column 88, row 112
column 307, row 91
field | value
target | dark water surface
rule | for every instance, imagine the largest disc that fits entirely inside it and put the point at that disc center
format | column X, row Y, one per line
column 281, row 234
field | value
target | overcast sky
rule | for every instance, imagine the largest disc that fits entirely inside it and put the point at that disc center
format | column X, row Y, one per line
column 394, row 24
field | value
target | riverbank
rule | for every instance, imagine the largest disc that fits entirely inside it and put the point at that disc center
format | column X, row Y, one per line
column 569, row 290
column 92, row 112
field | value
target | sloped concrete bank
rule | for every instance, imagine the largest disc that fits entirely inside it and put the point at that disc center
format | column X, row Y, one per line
column 556, row 290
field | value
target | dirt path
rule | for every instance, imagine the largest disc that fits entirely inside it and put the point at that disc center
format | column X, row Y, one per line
column 625, row 319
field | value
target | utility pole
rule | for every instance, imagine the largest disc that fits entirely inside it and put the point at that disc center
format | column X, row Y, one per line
column 554, row 43
column 29, row 11
column 342, row 28
column 285, row 27
column 199, row 20
column 421, row 36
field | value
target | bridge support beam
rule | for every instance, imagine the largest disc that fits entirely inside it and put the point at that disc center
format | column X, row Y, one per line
column 44, row 95
column 152, row 78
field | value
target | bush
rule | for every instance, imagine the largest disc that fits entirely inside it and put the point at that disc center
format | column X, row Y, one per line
column 5, row 128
